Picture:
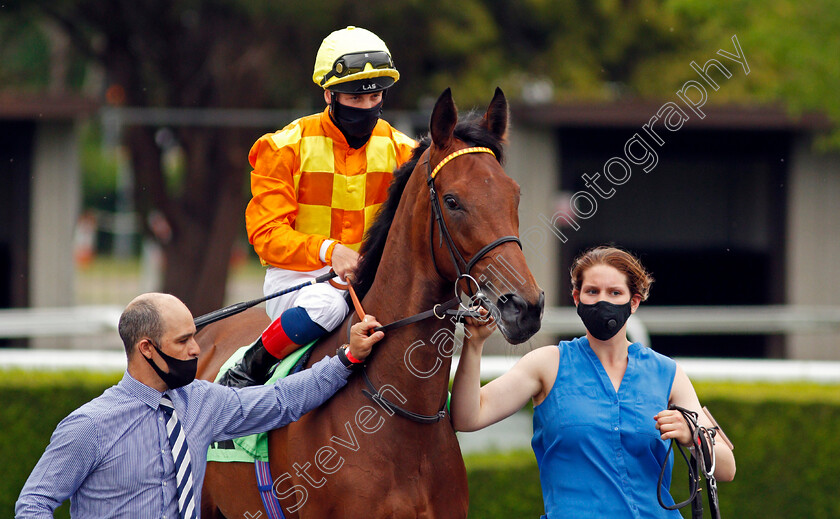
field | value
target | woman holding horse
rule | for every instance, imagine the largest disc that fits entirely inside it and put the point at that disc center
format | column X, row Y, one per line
column 602, row 422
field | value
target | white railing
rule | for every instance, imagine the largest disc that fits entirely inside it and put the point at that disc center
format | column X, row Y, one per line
column 736, row 370
column 21, row 323
column 92, row 320
column 710, row 320
column 673, row 320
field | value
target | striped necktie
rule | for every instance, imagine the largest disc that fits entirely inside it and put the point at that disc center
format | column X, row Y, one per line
column 181, row 454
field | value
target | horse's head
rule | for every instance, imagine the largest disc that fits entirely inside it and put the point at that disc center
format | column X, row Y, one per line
column 475, row 240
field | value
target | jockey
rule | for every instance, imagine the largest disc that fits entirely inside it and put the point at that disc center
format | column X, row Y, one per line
column 317, row 185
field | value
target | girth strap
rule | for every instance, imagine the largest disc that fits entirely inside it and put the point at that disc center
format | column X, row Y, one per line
column 266, row 487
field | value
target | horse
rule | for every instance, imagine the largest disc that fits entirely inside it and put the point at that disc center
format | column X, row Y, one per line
column 383, row 446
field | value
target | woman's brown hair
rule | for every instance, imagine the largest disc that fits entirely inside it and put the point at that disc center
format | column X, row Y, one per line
column 638, row 279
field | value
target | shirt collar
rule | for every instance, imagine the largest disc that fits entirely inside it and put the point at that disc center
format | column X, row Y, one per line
column 147, row 395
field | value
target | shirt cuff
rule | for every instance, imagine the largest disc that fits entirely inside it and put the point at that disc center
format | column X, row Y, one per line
column 337, row 367
column 325, row 253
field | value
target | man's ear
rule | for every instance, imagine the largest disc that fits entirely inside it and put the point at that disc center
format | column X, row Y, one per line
column 576, row 296
column 144, row 346
column 327, row 98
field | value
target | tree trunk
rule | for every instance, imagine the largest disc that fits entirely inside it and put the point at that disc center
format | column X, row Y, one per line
column 206, row 216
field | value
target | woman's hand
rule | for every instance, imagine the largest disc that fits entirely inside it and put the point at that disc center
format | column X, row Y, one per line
column 672, row 425
column 361, row 340
column 476, row 331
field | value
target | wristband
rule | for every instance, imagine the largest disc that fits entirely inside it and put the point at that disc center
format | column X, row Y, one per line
column 343, row 354
column 349, row 355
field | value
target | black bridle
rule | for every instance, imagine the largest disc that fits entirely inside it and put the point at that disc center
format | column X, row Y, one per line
column 436, row 215
column 702, row 461
column 444, row 309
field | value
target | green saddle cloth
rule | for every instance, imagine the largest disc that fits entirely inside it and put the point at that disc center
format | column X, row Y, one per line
column 255, row 446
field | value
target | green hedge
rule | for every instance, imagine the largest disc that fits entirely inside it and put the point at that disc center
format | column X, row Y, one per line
column 785, row 439
column 32, row 405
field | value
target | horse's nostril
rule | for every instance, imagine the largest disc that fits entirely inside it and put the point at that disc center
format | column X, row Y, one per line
column 512, row 306
column 520, row 320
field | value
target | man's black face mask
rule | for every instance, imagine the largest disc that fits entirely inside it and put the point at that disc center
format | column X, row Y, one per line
column 181, row 372
column 358, row 122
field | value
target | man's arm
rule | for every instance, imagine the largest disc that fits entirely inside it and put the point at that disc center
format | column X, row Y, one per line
column 68, row 460
column 268, row 407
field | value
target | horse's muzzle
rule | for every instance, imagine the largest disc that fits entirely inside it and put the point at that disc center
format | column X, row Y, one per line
column 519, row 319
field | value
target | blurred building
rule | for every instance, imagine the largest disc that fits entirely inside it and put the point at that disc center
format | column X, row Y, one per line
column 40, row 194
column 731, row 211
column 734, row 209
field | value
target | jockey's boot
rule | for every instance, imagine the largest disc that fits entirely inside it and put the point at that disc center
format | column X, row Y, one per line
column 252, row 369
column 284, row 335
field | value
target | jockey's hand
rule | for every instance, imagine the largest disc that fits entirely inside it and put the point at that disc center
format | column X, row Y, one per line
column 344, row 260
column 672, row 424
column 476, row 331
column 361, row 338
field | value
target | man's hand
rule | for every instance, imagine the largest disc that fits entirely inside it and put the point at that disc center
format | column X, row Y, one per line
column 344, row 260
column 361, row 340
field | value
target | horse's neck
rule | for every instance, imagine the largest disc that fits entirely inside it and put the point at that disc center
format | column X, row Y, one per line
column 415, row 358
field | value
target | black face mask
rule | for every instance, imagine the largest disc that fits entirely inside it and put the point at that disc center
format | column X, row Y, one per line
column 603, row 319
column 181, row 372
column 356, row 123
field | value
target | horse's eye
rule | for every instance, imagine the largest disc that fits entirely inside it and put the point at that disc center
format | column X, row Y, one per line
column 451, row 203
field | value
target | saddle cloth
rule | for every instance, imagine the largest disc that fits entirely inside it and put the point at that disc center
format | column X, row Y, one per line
column 255, row 446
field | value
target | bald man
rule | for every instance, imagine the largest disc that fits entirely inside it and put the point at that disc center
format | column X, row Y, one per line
column 112, row 456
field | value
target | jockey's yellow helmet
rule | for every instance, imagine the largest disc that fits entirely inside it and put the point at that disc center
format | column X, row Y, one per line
column 354, row 60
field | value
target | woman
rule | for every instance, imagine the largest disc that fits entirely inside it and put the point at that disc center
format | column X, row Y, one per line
column 601, row 421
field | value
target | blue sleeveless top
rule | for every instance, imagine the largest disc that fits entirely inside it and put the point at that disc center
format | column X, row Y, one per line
column 598, row 451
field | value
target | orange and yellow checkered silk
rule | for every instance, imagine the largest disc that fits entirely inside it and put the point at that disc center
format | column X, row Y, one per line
column 309, row 185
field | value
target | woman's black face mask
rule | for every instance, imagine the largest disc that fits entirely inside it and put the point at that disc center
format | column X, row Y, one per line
column 603, row 319
column 181, row 372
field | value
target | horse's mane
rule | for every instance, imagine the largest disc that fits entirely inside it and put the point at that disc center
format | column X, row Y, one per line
column 469, row 131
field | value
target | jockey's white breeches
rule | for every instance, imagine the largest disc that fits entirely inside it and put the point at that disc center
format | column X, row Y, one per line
column 323, row 302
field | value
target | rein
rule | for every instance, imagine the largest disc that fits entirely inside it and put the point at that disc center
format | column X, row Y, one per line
column 702, row 460
column 441, row 310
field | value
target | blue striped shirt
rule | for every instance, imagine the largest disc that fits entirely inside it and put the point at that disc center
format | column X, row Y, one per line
column 112, row 458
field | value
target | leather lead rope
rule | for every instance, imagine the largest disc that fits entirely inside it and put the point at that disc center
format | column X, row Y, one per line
column 702, row 461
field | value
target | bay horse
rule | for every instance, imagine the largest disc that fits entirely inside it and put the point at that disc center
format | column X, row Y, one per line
column 379, row 447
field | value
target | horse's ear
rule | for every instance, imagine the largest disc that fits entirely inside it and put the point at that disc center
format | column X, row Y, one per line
column 496, row 119
column 444, row 117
